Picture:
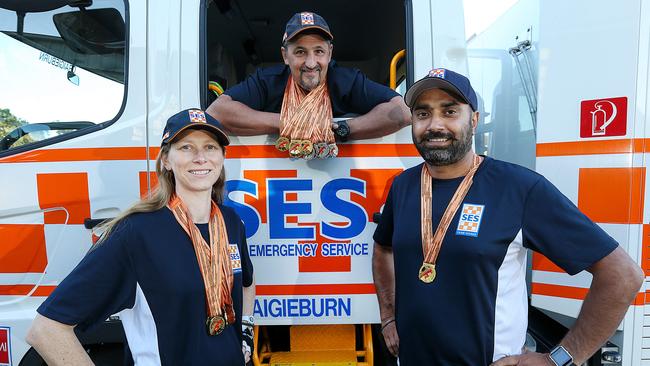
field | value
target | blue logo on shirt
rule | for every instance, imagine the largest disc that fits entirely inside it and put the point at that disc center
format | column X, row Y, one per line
column 470, row 219
column 235, row 258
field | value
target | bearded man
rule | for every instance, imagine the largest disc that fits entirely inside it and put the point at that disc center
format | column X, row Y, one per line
column 451, row 285
column 254, row 106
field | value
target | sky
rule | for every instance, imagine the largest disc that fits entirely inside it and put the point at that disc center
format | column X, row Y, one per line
column 480, row 14
column 41, row 92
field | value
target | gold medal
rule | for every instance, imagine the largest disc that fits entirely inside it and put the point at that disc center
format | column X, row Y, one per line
column 295, row 150
column 215, row 324
column 307, row 147
column 334, row 150
column 427, row 272
column 311, row 155
column 282, row 144
column 322, row 150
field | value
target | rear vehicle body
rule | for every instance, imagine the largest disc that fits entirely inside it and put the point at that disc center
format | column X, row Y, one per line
column 89, row 91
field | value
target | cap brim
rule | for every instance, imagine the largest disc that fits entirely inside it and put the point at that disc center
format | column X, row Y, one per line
column 431, row 83
column 325, row 31
column 222, row 138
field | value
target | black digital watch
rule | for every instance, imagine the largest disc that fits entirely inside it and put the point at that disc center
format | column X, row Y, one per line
column 342, row 132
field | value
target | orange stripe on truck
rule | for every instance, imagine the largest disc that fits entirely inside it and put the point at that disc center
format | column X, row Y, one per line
column 593, row 147
column 79, row 154
column 320, row 289
column 22, row 290
column 576, row 293
column 234, row 152
column 566, row 292
column 261, row 290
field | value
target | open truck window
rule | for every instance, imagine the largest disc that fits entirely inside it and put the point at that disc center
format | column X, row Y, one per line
column 244, row 35
column 241, row 36
column 63, row 68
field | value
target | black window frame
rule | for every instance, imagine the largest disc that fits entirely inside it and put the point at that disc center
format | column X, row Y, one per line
column 91, row 129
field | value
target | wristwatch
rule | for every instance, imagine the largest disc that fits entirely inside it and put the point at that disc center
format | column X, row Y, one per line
column 247, row 320
column 560, row 357
column 342, row 132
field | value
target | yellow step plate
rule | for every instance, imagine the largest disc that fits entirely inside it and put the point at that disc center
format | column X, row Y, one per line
column 314, row 358
column 322, row 337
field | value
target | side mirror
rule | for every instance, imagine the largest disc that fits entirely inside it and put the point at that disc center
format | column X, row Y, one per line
column 94, row 31
column 72, row 77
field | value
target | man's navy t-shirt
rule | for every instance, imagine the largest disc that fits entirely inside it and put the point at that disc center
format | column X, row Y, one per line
column 350, row 90
column 475, row 311
column 148, row 272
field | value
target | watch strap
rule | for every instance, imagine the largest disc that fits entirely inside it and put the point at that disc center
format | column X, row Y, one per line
column 247, row 320
column 342, row 132
column 560, row 356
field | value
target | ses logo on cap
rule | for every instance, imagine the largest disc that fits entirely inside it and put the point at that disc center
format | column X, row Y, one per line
column 307, row 18
column 437, row 73
column 470, row 219
column 197, row 116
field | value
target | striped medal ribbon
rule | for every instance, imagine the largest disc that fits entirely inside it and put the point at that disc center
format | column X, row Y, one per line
column 305, row 121
column 431, row 244
column 214, row 264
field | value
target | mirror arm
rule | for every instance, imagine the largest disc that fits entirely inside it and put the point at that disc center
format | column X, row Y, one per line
column 20, row 22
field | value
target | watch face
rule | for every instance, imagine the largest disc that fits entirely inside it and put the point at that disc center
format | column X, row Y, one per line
column 343, row 129
column 560, row 356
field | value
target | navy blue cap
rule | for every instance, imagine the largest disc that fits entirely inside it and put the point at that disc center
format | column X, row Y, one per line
column 193, row 118
column 306, row 20
column 443, row 79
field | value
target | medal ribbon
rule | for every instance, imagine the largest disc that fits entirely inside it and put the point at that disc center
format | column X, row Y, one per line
column 431, row 244
column 306, row 116
column 213, row 259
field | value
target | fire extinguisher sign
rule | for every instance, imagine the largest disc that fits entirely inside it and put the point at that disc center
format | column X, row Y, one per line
column 5, row 347
column 603, row 117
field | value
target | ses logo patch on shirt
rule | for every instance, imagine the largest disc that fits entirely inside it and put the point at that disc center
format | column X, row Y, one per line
column 470, row 219
column 235, row 258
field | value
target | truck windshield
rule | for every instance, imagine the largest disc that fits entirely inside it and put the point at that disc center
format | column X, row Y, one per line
column 62, row 70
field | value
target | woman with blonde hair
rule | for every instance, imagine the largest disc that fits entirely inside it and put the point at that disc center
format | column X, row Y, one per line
column 175, row 266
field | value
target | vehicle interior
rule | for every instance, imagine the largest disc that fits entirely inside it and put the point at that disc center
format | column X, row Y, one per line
column 244, row 35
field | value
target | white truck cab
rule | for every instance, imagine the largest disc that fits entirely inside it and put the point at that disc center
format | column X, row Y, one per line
column 89, row 84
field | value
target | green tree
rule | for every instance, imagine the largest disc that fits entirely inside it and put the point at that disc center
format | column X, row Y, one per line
column 8, row 123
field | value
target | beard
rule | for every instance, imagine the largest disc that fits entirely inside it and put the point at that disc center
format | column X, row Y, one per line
column 447, row 155
column 307, row 83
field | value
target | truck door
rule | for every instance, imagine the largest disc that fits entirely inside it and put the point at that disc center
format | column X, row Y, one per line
column 72, row 141
column 547, row 103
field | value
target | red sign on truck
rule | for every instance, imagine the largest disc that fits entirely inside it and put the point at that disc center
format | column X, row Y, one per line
column 5, row 356
column 603, row 117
